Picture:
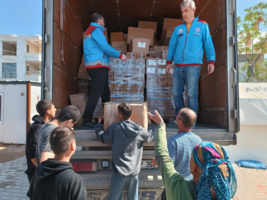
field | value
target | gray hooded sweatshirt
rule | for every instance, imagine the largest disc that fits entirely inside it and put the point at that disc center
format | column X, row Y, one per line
column 126, row 140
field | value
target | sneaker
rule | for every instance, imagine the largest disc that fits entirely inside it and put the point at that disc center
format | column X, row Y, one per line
column 88, row 126
column 172, row 125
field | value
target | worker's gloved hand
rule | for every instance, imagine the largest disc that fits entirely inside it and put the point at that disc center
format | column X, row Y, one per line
column 124, row 57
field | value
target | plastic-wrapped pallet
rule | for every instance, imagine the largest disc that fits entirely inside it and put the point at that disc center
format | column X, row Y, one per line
column 158, row 52
column 127, row 80
column 99, row 111
column 84, row 87
column 159, row 88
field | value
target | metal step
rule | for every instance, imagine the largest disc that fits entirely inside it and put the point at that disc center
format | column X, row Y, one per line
column 148, row 179
column 88, row 138
column 102, row 155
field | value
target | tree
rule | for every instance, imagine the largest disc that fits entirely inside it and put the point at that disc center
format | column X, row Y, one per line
column 252, row 42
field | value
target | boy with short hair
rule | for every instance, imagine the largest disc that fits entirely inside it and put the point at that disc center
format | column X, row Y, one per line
column 69, row 116
column 126, row 138
column 55, row 178
column 47, row 112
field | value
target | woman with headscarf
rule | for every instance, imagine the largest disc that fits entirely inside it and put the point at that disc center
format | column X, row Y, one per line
column 213, row 174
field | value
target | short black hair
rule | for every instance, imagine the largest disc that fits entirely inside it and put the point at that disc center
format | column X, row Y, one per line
column 68, row 113
column 95, row 17
column 42, row 106
column 125, row 110
column 188, row 117
column 60, row 139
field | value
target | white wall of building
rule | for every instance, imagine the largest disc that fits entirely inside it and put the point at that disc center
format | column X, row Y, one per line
column 22, row 58
column 14, row 120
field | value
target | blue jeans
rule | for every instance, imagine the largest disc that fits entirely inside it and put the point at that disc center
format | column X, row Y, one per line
column 117, row 184
column 189, row 75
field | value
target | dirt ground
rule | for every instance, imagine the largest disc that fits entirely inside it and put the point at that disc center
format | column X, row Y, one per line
column 9, row 152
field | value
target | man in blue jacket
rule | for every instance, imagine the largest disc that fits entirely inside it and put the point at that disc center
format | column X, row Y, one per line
column 96, row 56
column 186, row 47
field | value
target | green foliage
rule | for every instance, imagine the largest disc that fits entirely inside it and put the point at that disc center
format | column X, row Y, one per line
column 252, row 42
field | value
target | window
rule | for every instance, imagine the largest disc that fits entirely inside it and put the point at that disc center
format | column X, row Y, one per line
column 9, row 48
column 1, row 107
column 28, row 48
column 9, row 70
column 33, row 70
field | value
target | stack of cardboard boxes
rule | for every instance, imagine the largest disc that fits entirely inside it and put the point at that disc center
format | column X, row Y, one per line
column 127, row 80
column 159, row 88
column 167, row 29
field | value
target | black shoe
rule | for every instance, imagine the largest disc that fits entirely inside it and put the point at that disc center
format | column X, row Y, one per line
column 88, row 126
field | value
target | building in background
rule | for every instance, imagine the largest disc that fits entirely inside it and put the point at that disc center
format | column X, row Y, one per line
column 20, row 57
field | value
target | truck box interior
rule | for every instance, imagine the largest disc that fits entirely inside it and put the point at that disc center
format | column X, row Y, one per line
column 74, row 18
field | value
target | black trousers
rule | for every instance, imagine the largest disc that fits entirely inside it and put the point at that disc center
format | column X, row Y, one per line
column 30, row 177
column 99, row 88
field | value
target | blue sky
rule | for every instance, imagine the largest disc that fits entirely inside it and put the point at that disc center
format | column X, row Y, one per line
column 24, row 17
column 21, row 17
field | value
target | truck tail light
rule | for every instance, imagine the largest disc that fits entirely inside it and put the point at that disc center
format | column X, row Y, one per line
column 84, row 165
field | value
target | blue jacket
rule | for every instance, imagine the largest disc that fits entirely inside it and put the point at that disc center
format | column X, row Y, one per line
column 96, row 48
column 187, row 48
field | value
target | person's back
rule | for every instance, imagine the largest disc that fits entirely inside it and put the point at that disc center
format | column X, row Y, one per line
column 126, row 138
column 127, row 146
column 55, row 178
column 180, row 148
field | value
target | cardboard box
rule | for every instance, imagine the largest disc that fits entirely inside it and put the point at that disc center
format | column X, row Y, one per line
column 171, row 21
column 131, row 55
column 82, row 73
column 139, row 114
column 79, row 100
column 125, row 37
column 139, row 45
column 138, row 89
column 151, row 69
column 118, row 88
column 148, row 24
column 170, row 76
column 162, row 62
column 116, row 37
column 141, row 62
column 164, row 54
column 111, row 75
column 120, row 46
column 141, row 33
column 168, row 28
column 141, row 56
column 152, row 61
column 161, row 70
